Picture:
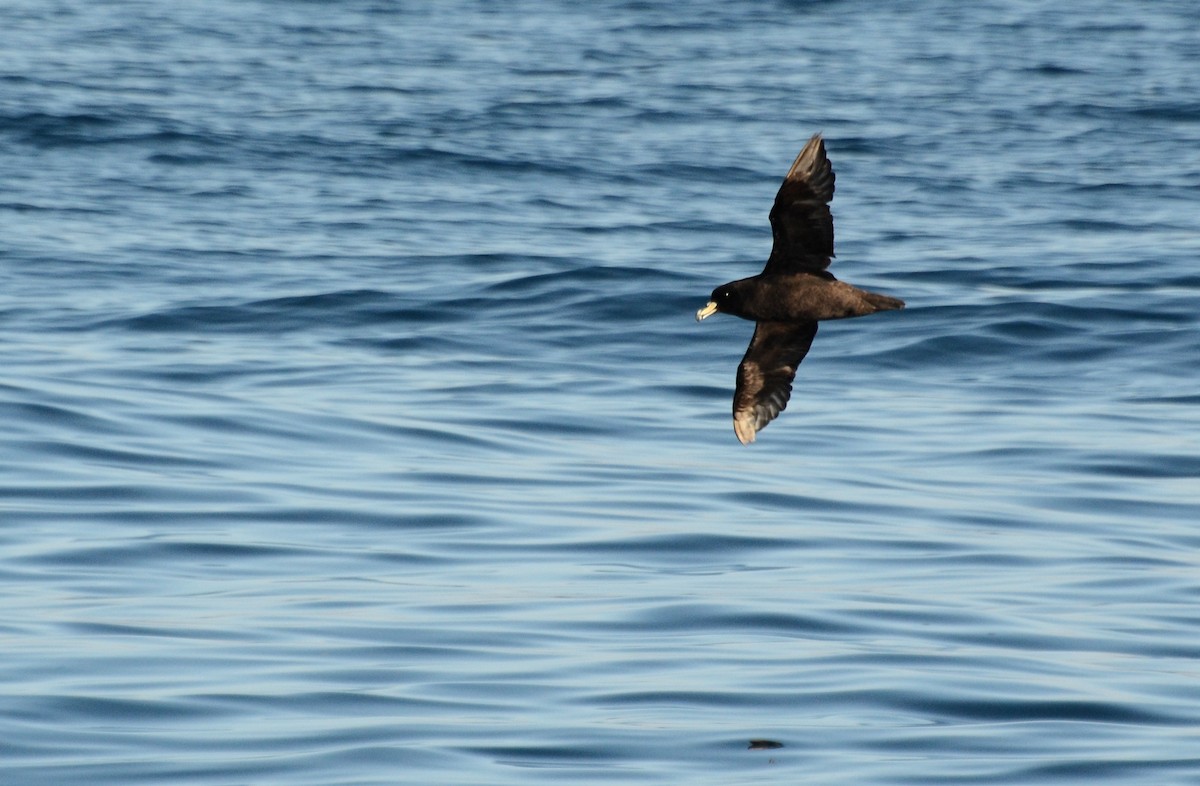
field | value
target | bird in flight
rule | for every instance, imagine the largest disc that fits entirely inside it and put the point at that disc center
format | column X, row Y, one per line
column 791, row 295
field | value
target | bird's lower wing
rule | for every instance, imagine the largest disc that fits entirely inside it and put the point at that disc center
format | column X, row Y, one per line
column 764, row 378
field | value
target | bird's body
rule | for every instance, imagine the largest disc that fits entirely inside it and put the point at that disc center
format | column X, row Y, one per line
column 801, row 297
column 792, row 294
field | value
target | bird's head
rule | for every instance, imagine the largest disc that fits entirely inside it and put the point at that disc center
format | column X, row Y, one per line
column 725, row 299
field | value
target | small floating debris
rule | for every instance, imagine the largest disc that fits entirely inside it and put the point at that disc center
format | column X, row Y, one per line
column 764, row 745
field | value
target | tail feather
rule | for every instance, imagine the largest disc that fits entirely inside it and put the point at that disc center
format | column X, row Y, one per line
column 883, row 302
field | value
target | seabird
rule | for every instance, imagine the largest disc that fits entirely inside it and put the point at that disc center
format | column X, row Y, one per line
column 791, row 295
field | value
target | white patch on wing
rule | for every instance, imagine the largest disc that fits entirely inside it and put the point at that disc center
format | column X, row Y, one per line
column 744, row 427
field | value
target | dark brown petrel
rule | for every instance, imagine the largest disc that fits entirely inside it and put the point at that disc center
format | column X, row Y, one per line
column 791, row 295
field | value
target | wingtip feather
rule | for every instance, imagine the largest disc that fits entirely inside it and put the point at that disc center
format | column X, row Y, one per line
column 744, row 428
column 809, row 155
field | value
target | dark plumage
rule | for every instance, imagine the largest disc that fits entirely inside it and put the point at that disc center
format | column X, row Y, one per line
column 791, row 295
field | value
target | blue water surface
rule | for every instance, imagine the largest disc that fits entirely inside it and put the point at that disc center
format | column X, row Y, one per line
column 357, row 429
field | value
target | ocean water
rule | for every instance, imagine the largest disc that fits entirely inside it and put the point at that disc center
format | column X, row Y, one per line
column 357, row 428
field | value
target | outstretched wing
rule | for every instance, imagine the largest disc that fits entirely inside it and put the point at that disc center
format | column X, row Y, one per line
column 764, row 379
column 800, row 219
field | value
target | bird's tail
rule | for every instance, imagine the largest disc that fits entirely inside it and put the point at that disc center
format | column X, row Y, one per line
column 883, row 302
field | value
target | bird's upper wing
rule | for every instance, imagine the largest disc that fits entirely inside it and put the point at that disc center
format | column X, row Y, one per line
column 764, row 378
column 800, row 219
